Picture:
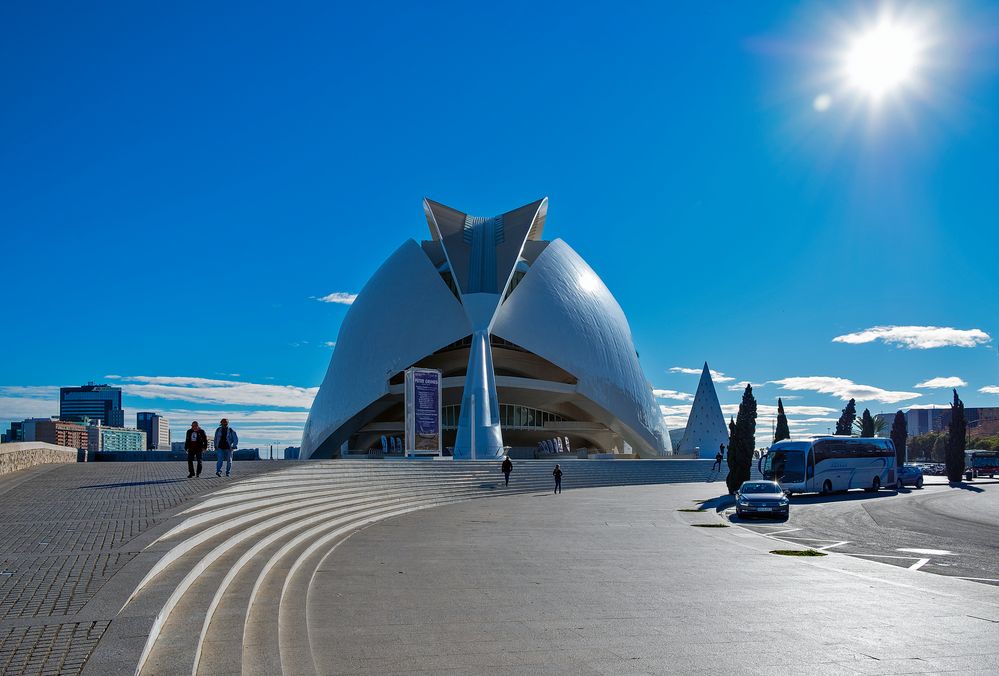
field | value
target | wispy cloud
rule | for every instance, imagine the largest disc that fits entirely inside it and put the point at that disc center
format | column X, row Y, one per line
column 18, row 402
column 844, row 389
column 917, row 337
column 212, row 391
column 330, row 343
column 942, row 382
column 739, row 386
column 717, row 376
column 672, row 394
column 339, row 297
column 989, row 389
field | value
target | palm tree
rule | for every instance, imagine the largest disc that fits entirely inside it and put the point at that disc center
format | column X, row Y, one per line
column 880, row 427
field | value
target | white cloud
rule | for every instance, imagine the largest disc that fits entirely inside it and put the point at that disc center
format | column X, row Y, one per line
column 844, row 389
column 989, row 389
column 717, row 376
column 928, row 406
column 18, row 402
column 212, row 391
column 339, row 297
column 942, row 382
column 917, row 337
column 330, row 343
column 739, row 386
column 672, row 394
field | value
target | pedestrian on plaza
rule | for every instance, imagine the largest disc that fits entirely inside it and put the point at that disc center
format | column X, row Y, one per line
column 507, row 468
column 557, row 473
column 718, row 460
column 225, row 443
column 195, row 443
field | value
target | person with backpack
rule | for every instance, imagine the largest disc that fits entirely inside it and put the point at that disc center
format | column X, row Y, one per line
column 507, row 467
column 557, row 473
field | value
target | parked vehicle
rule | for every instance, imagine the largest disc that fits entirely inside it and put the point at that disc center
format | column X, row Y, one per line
column 978, row 463
column 761, row 498
column 831, row 463
column 909, row 475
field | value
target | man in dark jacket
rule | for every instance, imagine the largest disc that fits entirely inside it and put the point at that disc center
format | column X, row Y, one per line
column 507, row 468
column 557, row 473
column 195, row 443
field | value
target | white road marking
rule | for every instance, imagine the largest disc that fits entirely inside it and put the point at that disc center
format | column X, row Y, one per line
column 919, row 564
column 931, row 552
column 980, row 579
column 778, row 532
column 835, row 544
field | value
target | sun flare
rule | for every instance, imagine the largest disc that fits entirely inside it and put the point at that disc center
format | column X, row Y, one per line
column 882, row 59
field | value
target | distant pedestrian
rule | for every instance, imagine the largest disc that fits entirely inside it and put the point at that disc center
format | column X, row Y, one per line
column 195, row 443
column 721, row 450
column 557, row 473
column 225, row 443
column 507, row 468
column 718, row 461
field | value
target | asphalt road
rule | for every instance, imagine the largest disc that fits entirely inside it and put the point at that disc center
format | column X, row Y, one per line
column 937, row 529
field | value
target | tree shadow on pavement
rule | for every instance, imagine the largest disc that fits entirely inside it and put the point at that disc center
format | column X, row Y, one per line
column 967, row 487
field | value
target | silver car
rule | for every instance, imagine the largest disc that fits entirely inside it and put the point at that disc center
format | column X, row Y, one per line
column 761, row 498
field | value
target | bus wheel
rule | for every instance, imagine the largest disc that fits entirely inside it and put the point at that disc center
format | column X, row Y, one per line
column 919, row 482
column 875, row 485
column 827, row 487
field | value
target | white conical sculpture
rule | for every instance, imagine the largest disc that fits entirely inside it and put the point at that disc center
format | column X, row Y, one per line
column 706, row 429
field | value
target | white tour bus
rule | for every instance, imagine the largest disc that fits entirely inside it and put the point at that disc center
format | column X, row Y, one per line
column 829, row 464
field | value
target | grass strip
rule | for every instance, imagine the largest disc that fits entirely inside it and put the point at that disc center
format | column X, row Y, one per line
column 709, row 525
column 689, row 509
column 797, row 552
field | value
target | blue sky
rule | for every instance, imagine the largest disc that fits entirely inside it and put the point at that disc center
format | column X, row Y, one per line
column 182, row 182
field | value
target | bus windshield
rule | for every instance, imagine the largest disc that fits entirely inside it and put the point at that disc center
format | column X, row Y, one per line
column 784, row 466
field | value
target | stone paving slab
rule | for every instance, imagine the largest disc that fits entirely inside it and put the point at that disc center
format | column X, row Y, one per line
column 615, row 580
column 70, row 538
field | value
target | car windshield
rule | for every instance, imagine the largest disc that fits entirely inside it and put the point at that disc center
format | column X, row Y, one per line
column 760, row 487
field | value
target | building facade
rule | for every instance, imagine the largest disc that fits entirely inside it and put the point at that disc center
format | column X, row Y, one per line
column 706, row 431
column 157, row 429
column 58, row 432
column 530, row 343
column 92, row 402
column 101, row 438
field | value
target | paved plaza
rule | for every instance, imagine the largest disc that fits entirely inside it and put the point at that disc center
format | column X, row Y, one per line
column 379, row 567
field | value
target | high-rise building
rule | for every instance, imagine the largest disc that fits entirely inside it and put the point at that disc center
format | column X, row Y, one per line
column 101, row 438
column 13, row 434
column 93, row 402
column 157, row 429
column 58, row 432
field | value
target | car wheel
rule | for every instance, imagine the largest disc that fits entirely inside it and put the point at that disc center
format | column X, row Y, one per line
column 919, row 482
column 827, row 487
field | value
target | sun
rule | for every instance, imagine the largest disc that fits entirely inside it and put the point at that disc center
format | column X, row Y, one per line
column 883, row 59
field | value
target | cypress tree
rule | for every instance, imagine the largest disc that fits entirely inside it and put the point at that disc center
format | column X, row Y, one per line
column 956, row 440
column 782, row 431
column 741, row 442
column 845, row 424
column 867, row 424
column 899, row 436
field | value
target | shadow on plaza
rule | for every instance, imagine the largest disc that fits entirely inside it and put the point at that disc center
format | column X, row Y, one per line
column 129, row 484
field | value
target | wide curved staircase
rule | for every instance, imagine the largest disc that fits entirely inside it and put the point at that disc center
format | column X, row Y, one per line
column 233, row 581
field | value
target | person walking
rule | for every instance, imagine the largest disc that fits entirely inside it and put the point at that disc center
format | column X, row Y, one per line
column 718, row 460
column 557, row 473
column 226, row 441
column 507, row 468
column 195, row 443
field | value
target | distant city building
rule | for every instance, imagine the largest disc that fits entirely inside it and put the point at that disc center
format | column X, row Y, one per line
column 292, row 452
column 58, row 432
column 92, row 402
column 101, row 438
column 157, row 429
column 13, row 434
column 981, row 420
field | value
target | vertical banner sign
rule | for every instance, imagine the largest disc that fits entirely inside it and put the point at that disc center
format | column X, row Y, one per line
column 423, row 412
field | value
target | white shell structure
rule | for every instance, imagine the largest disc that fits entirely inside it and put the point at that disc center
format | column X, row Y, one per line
column 706, row 429
column 521, row 323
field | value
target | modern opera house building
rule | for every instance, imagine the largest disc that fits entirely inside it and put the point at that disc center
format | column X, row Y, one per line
column 521, row 329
